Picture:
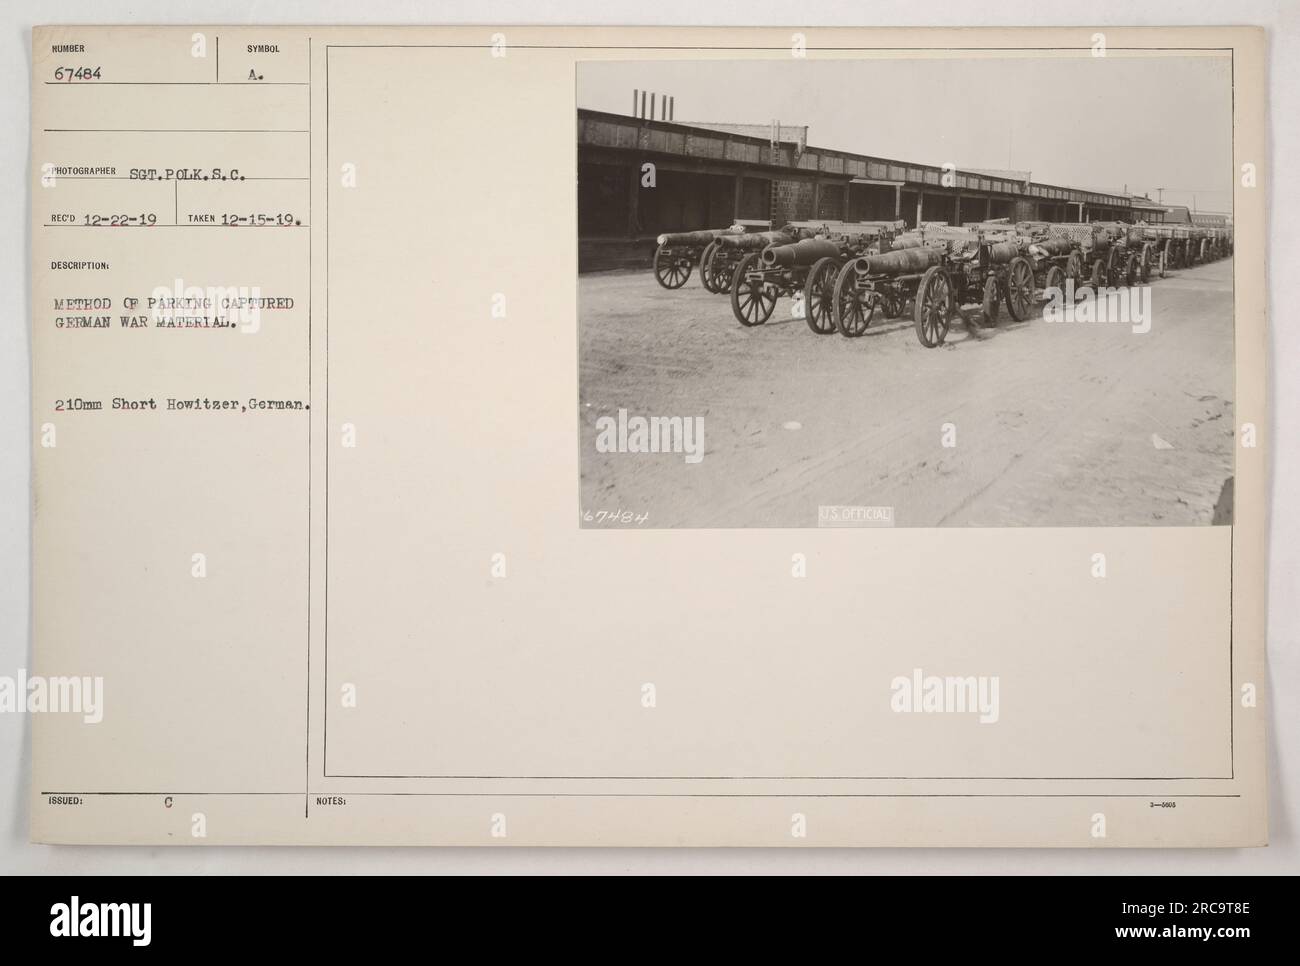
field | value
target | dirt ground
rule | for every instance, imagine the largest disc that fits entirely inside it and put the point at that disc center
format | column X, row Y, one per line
column 1055, row 424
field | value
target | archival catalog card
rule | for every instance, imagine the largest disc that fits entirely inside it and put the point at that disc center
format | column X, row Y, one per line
column 536, row 436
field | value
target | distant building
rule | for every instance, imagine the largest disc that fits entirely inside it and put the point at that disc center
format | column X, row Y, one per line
column 1154, row 213
column 1211, row 219
column 1144, row 209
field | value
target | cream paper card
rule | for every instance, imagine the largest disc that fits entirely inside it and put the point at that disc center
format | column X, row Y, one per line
column 383, row 495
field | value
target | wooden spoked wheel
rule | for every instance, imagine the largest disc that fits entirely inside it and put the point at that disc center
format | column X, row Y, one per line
column 933, row 311
column 819, row 295
column 852, row 311
column 752, row 302
column 671, row 269
column 991, row 306
column 1020, row 288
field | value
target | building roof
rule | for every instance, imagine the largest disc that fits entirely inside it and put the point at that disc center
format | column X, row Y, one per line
column 789, row 133
column 1009, row 174
column 731, row 145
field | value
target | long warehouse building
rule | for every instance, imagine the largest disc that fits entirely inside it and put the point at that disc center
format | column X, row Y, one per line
column 713, row 175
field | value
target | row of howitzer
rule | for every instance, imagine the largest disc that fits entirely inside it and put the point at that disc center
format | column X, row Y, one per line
column 841, row 275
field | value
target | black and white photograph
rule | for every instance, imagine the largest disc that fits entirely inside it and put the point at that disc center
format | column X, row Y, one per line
column 931, row 368
column 940, row 291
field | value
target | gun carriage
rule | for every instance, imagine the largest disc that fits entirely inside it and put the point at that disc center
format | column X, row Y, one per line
column 1223, row 238
column 806, row 267
column 1211, row 248
column 1054, row 257
column 1152, row 245
column 1178, row 245
column 679, row 252
column 1210, row 243
column 819, row 287
column 943, row 270
column 1127, row 259
column 1056, row 260
column 1092, row 245
column 719, row 260
column 1053, row 249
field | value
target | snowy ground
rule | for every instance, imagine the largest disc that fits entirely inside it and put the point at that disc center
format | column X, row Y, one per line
column 1055, row 424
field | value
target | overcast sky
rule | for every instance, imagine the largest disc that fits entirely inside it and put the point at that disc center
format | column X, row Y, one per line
column 1100, row 123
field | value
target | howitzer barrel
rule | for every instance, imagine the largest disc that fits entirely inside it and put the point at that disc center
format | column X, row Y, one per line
column 1099, row 241
column 900, row 242
column 755, row 241
column 800, row 253
column 1053, row 247
column 691, row 238
column 901, row 262
column 1003, row 252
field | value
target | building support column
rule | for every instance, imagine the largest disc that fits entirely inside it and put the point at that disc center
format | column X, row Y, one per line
column 898, row 201
column 735, row 201
column 633, row 201
column 956, row 211
column 988, row 208
column 816, row 200
column 920, row 202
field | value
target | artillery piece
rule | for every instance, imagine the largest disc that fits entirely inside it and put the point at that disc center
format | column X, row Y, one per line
column 1208, row 244
column 719, row 260
column 1092, row 244
column 679, row 252
column 1178, row 245
column 1056, row 259
column 946, row 269
column 1210, row 248
column 1127, row 262
column 1223, row 237
column 881, row 282
column 819, row 286
column 1223, row 242
column 807, row 267
column 1152, row 249
column 1053, row 249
